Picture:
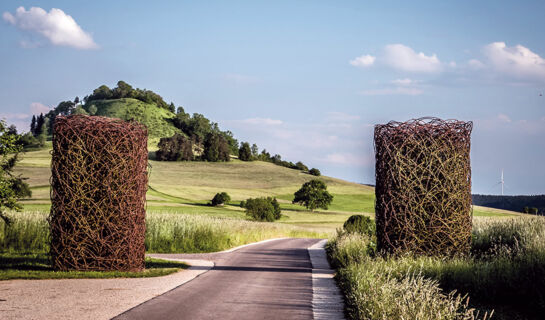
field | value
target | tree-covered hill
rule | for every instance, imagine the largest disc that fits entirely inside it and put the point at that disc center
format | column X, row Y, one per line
column 182, row 136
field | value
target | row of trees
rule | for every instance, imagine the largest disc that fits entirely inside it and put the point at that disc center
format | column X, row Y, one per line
column 247, row 153
column 181, row 148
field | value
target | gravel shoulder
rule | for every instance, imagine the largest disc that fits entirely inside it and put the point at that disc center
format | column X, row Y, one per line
column 87, row 298
column 268, row 264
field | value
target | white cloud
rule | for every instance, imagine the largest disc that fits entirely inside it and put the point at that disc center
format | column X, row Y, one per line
column 404, row 58
column 405, row 82
column 475, row 64
column 56, row 26
column 262, row 121
column 348, row 159
column 363, row 61
column 37, row 108
column 517, row 61
column 393, row 91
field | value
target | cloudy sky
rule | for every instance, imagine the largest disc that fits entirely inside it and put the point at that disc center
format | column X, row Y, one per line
column 305, row 79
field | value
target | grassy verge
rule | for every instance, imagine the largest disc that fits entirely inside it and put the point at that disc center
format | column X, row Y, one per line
column 505, row 272
column 37, row 266
column 167, row 232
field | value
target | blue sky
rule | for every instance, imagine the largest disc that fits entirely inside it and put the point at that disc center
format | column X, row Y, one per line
column 305, row 79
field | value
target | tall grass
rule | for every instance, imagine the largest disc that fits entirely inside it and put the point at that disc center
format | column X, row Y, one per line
column 505, row 272
column 166, row 233
column 170, row 232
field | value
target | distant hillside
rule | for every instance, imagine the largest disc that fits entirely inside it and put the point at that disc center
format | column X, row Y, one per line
column 156, row 119
column 513, row 203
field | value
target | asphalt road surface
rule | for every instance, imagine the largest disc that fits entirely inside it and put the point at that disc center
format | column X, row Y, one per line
column 271, row 280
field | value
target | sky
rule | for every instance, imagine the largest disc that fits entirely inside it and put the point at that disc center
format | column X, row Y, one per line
column 304, row 79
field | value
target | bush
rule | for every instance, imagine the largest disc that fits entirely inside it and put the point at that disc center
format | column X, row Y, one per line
column 360, row 224
column 315, row 172
column 262, row 209
column 220, row 199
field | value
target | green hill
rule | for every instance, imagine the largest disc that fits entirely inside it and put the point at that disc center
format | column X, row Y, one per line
column 149, row 114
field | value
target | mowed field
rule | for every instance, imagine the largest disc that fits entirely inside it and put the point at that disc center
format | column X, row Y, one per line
column 186, row 187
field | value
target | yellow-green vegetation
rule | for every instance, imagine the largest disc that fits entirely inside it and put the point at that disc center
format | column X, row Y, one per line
column 505, row 273
column 155, row 118
column 166, row 232
column 38, row 266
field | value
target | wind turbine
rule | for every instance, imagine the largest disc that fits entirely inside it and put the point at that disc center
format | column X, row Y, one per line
column 502, row 182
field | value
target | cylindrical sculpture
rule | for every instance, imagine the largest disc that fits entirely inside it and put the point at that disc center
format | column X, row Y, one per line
column 98, row 194
column 423, row 186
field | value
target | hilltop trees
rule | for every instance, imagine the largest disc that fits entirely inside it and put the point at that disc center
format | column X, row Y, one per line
column 215, row 148
column 12, row 188
column 175, row 148
column 125, row 90
column 245, row 153
column 313, row 195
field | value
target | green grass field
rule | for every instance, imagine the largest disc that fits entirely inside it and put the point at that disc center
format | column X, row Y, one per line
column 186, row 187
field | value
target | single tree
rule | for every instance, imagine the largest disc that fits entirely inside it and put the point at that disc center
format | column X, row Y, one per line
column 245, row 153
column 216, row 148
column 314, row 172
column 33, row 124
column 255, row 151
column 301, row 166
column 220, row 199
column 313, row 194
column 12, row 187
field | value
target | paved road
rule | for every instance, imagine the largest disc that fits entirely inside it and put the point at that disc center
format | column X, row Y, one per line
column 271, row 280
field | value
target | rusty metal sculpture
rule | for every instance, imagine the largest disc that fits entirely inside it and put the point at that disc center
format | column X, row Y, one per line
column 98, row 190
column 423, row 186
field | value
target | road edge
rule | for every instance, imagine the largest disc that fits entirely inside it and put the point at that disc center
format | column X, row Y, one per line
column 327, row 300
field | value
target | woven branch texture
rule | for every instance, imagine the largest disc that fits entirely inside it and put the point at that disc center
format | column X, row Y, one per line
column 98, row 194
column 423, row 186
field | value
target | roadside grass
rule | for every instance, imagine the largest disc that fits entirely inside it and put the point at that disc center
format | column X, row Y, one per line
column 38, row 266
column 505, row 272
column 166, row 232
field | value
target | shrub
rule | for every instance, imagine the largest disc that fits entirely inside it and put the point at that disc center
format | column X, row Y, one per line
column 359, row 223
column 315, row 172
column 220, row 199
column 263, row 209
